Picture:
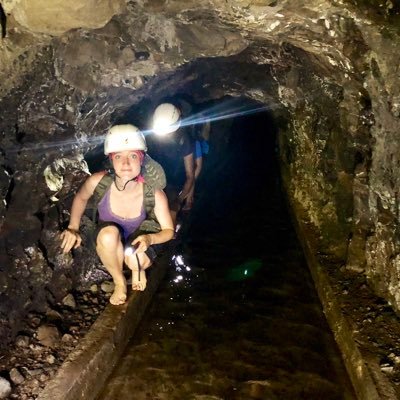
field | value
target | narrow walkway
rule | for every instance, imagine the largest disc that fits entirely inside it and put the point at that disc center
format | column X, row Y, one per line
column 238, row 317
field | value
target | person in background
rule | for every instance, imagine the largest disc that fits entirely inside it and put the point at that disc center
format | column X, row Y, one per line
column 201, row 136
column 172, row 145
column 121, row 213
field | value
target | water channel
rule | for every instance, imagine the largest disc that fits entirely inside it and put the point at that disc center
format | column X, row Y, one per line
column 238, row 316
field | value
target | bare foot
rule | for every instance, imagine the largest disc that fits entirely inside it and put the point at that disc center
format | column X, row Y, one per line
column 119, row 295
column 139, row 280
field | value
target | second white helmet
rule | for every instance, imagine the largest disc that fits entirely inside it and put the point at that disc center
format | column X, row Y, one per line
column 124, row 137
column 166, row 119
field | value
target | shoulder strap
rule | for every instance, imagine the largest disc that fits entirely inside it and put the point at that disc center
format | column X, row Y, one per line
column 150, row 224
column 148, row 199
column 154, row 173
column 99, row 192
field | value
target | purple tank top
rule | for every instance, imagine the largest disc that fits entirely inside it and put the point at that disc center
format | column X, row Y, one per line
column 128, row 225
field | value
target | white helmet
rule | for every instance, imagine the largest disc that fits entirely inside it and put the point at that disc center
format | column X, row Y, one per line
column 124, row 137
column 166, row 119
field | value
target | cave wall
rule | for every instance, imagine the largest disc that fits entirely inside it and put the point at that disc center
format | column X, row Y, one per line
column 382, row 244
column 340, row 155
column 328, row 72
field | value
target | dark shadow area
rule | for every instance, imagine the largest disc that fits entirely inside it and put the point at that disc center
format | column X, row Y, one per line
column 243, row 157
column 3, row 22
column 96, row 160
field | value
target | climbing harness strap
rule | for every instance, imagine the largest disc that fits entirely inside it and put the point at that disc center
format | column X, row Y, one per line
column 139, row 267
column 150, row 224
column 99, row 192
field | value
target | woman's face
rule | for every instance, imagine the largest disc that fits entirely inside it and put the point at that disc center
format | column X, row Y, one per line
column 126, row 163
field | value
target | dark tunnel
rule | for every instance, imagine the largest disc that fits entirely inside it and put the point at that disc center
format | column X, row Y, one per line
column 237, row 257
column 281, row 278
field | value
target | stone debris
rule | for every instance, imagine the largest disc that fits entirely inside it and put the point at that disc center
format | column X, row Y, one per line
column 50, row 359
column 259, row 390
column 53, row 315
column 48, row 335
column 69, row 301
column 40, row 350
column 5, row 388
column 107, row 287
column 67, row 338
column 35, row 322
column 94, row 288
column 22, row 341
column 16, row 376
column 387, row 368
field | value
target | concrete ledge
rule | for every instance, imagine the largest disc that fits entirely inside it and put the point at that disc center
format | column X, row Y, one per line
column 368, row 380
column 86, row 369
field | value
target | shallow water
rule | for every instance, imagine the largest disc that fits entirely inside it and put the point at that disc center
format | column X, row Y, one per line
column 238, row 316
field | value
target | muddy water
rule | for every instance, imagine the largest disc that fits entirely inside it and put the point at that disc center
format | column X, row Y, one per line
column 238, row 316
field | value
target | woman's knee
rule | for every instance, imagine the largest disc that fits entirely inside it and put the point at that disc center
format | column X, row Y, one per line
column 108, row 236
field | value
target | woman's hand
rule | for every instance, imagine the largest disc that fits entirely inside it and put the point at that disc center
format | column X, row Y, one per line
column 142, row 243
column 70, row 239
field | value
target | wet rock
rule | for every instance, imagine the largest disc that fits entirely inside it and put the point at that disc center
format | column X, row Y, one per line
column 107, row 287
column 22, row 341
column 35, row 372
column 60, row 286
column 36, row 348
column 142, row 55
column 34, row 384
column 94, row 288
column 258, row 390
column 67, row 338
column 53, row 315
column 69, row 301
column 5, row 388
column 43, row 378
column 48, row 335
column 74, row 328
column 16, row 376
column 387, row 368
column 397, row 360
column 50, row 359
column 35, row 322
column 36, row 16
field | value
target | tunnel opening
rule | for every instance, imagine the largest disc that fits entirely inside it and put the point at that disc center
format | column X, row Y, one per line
column 243, row 148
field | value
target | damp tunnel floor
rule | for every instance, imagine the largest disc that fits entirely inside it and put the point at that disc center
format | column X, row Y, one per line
column 237, row 316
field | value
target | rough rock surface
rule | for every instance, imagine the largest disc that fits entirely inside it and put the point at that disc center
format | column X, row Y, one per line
column 60, row 16
column 33, row 359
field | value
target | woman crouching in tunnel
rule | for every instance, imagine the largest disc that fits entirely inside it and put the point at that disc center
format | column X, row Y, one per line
column 126, row 204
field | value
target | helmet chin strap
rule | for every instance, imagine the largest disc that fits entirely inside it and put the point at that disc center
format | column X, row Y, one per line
column 130, row 180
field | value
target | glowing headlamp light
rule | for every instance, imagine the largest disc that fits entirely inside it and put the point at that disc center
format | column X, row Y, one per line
column 162, row 128
column 129, row 250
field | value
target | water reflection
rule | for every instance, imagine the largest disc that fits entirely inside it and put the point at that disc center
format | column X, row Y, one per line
column 183, row 271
